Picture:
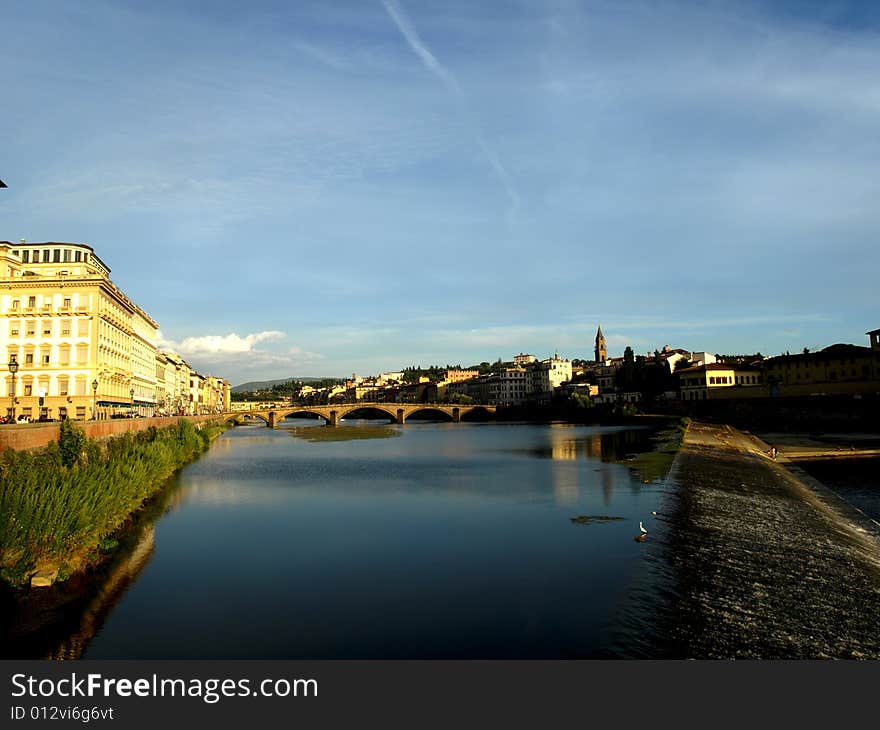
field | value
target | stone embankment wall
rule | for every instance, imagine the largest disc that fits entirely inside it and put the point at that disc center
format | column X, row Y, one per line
column 36, row 435
column 764, row 564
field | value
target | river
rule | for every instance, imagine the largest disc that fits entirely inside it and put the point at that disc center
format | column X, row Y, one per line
column 429, row 540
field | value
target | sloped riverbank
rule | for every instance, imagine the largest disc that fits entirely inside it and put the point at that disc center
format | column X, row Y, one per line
column 763, row 564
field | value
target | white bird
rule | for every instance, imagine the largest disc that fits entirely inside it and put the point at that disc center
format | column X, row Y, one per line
column 642, row 528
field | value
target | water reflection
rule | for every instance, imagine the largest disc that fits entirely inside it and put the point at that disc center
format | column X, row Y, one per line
column 123, row 572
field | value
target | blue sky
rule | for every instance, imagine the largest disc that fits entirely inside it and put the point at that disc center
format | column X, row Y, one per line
column 320, row 188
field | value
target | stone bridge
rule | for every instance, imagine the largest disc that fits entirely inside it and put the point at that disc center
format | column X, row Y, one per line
column 334, row 413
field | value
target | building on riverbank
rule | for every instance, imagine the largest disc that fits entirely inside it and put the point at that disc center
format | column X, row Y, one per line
column 83, row 348
column 69, row 326
column 835, row 370
column 718, row 380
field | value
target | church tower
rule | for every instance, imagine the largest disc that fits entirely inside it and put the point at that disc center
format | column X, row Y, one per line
column 601, row 351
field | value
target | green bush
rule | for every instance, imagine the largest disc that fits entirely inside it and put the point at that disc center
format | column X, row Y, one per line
column 59, row 505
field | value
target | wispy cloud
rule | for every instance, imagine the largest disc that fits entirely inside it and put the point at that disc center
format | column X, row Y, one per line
column 429, row 60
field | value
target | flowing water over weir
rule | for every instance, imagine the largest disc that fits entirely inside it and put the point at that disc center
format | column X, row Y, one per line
column 370, row 540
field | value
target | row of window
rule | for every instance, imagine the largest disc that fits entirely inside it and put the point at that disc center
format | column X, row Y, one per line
column 32, row 326
column 52, row 255
column 82, row 357
column 66, row 303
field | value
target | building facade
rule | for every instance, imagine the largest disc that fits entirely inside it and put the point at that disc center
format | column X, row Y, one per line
column 83, row 349
column 70, row 328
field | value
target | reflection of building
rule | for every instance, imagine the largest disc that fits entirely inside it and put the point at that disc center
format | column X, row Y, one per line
column 68, row 324
column 563, row 447
column 563, row 450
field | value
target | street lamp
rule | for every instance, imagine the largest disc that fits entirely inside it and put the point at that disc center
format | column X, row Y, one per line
column 13, row 368
column 95, row 399
column 131, row 393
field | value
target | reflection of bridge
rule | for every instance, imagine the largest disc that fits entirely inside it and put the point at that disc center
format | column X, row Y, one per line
column 397, row 412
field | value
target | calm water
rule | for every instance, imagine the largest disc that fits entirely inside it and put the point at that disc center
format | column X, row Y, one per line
column 374, row 541
column 857, row 480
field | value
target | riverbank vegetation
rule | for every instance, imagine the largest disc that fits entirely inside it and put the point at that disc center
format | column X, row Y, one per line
column 656, row 463
column 61, row 505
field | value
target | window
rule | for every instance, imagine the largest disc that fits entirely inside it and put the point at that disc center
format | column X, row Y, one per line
column 64, row 353
column 80, row 413
column 36, row 257
column 85, row 258
column 66, row 255
column 26, row 257
column 62, row 386
column 65, row 327
column 45, row 360
column 83, row 328
column 45, row 255
column 47, row 327
column 56, row 256
column 32, row 301
column 15, row 303
column 66, row 304
column 80, row 387
column 28, row 389
column 14, row 328
column 77, row 256
column 31, row 329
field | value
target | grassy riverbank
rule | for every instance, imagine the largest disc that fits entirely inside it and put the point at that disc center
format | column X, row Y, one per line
column 62, row 504
column 656, row 463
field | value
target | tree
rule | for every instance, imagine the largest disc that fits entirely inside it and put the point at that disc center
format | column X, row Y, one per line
column 71, row 442
column 682, row 364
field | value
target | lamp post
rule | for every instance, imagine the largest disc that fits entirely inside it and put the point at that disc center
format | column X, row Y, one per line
column 131, row 394
column 13, row 368
column 95, row 399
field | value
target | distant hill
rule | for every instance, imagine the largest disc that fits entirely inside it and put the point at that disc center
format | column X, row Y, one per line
column 266, row 384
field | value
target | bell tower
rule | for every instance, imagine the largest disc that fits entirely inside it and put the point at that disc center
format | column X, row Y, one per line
column 601, row 351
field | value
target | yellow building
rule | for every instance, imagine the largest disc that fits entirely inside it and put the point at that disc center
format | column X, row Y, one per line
column 838, row 369
column 70, row 328
column 719, row 380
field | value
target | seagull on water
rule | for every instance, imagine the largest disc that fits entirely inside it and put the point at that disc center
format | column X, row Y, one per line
column 642, row 528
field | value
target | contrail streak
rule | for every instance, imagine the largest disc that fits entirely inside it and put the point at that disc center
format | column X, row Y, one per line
column 429, row 60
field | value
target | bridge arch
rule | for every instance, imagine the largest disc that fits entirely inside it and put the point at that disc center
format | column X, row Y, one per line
column 244, row 417
column 280, row 415
column 390, row 410
column 444, row 411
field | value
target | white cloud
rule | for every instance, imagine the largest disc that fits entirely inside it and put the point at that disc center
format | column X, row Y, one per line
column 231, row 344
